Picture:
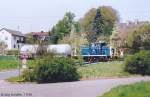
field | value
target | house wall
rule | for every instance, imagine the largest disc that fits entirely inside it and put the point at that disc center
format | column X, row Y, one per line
column 14, row 40
column 10, row 40
column 6, row 37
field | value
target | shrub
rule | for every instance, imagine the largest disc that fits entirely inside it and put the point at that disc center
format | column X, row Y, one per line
column 138, row 63
column 29, row 75
column 12, row 52
column 53, row 69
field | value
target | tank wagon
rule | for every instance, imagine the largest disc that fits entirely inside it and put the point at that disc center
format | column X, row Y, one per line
column 95, row 52
column 60, row 49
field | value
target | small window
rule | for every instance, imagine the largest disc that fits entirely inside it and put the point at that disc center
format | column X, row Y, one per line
column 14, row 37
column 6, row 38
column 14, row 46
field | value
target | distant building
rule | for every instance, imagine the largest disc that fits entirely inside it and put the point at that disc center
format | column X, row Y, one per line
column 123, row 30
column 39, row 35
column 13, row 39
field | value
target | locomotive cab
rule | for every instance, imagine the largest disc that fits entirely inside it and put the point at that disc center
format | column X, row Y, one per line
column 97, row 52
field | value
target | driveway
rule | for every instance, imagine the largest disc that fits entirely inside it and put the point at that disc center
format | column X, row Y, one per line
column 91, row 88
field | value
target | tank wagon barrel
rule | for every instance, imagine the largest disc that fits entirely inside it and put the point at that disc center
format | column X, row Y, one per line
column 60, row 49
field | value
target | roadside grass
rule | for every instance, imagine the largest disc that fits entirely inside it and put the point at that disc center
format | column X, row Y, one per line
column 15, row 79
column 9, row 64
column 113, row 69
column 140, row 89
column 102, row 70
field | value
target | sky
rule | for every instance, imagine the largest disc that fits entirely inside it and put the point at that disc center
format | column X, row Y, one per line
column 41, row 15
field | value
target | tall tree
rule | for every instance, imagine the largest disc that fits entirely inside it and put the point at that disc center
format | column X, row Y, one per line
column 64, row 27
column 97, row 28
column 110, row 17
column 87, row 20
column 139, row 39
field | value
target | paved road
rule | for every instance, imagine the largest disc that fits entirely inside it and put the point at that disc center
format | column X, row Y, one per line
column 91, row 88
column 7, row 74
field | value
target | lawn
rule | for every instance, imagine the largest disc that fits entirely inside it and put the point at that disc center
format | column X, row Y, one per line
column 103, row 69
column 11, row 62
column 8, row 62
column 141, row 89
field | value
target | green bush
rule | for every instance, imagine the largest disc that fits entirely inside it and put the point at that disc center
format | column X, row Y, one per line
column 12, row 52
column 53, row 69
column 29, row 75
column 138, row 63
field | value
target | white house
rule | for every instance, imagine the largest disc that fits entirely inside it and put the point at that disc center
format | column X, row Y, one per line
column 13, row 39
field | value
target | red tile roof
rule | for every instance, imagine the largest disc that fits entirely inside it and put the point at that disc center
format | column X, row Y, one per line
column 40, row 33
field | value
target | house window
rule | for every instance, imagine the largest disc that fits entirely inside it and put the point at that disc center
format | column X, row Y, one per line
column 14, row 46
column 6, row 38
column 14, row 37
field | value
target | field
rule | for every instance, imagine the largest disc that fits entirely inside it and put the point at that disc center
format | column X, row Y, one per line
column 8, row 62
column 11, row 62
column 103, row 70
column 141, row 89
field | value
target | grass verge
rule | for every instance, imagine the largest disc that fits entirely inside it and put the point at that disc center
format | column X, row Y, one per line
column 102, row 70
column 95, row 71
column 141, row 89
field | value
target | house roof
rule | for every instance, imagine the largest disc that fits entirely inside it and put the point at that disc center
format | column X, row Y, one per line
column 40, row 33
column 13, row 32
column 125, row 28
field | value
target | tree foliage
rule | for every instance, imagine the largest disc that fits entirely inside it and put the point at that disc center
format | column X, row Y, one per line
column 109, row 15
column 64, row 27
column 97, row 27
column 139, row 63
column 139, row 39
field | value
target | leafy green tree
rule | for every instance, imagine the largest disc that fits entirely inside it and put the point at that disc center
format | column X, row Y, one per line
column 98, row 25
column 139, row 38
column 64, row 27
column 30, row 39
column 97, row 28
column 87, row 20
column 110, row 17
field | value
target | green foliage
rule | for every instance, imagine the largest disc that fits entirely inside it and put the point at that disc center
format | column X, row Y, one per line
column 28, row 75
column 104, row 69
column 139, row 39
column 109, row 15
column 8, row 58
column 5, row 64
column 12, row 52
column 52, row 69
column 87, row 20
column 30, row 39
column 140, row 89
column 138, row 63
column 63, row 27
column 97, row 27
